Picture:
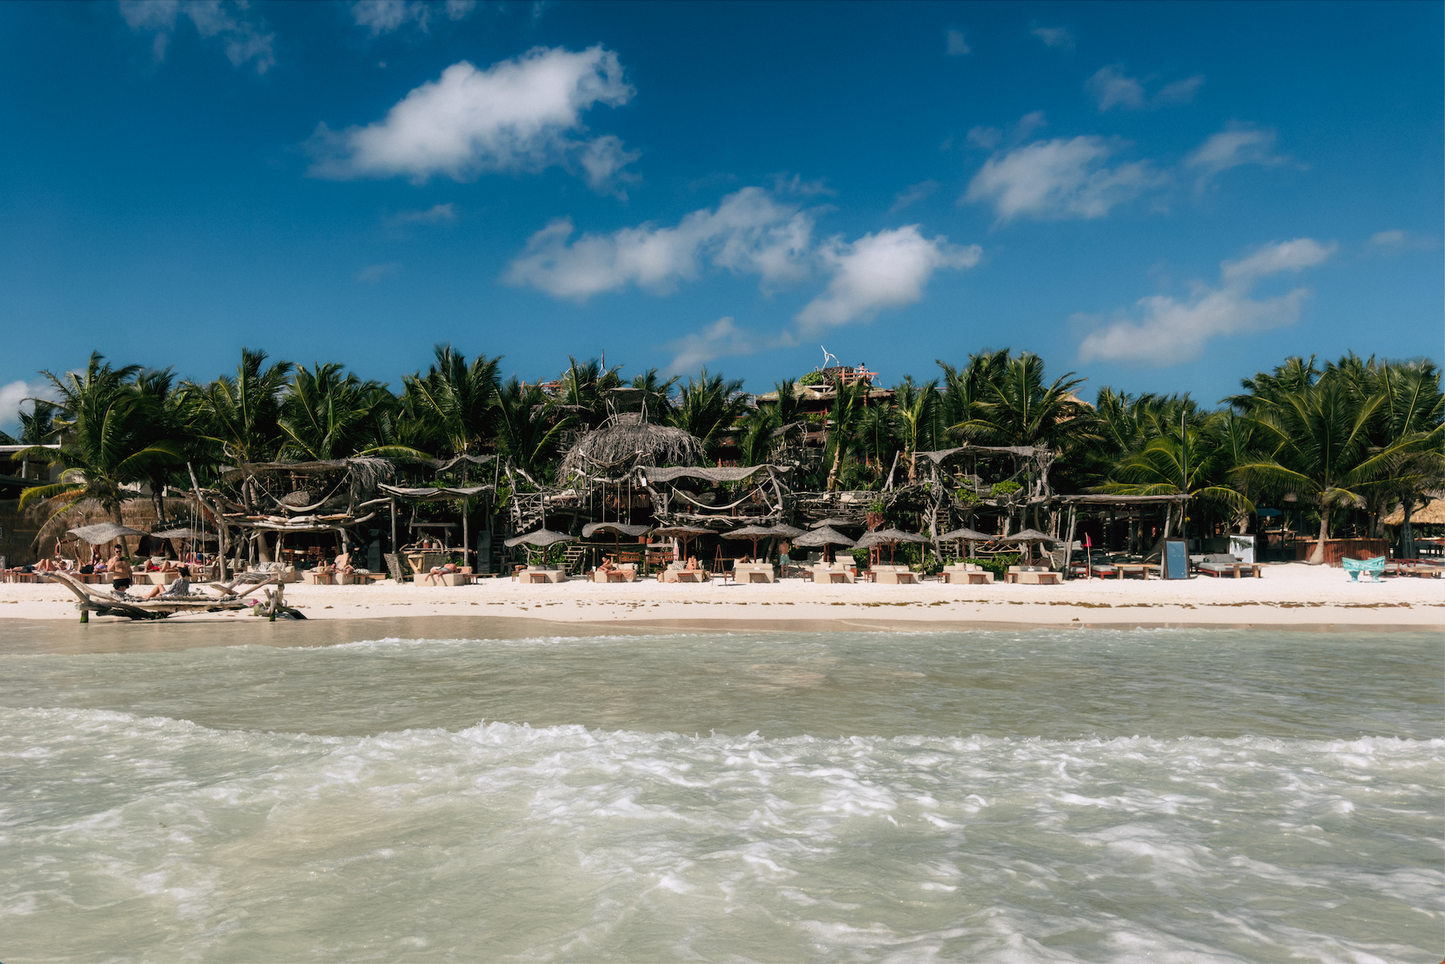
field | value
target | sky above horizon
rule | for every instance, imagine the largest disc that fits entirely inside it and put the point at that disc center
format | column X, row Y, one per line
column 1156, row 197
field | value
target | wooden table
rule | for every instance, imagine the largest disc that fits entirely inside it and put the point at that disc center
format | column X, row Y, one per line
column 1140, row 569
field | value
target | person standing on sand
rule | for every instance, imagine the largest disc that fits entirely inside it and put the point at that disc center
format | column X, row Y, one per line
column 120, row 572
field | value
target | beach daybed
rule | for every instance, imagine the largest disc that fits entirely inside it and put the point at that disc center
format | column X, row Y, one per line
column 1218, row 564
column 626, row 572
column 894, row 576
column 539, row 574
column 754, row 572
column 965, row 574
column 828, row 574
column 1034, row 576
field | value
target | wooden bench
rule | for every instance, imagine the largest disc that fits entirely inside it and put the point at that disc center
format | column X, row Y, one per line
column 1370, row 567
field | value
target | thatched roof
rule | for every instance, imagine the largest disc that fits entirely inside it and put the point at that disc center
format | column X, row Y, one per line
column 615, row 528
column 675, row 532
column 1025, row 535
column 365, row 469
column 884, row 537
column 750, row 532
column 103, row 532
column 433, row 495
column 728, row 474
column 1433, row 514
column 184, row 533
column 826, row 536
column 627, row 441
column 787, row 531
column 971, row 535
column 541, row 537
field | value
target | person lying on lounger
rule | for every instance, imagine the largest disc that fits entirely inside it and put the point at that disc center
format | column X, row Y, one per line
column 180, row 586
column 434, row 578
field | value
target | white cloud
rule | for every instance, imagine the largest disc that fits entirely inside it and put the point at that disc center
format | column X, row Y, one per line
column 748, row 233
column 243, row 35
column 1061, row 178
column 386, row 16
column 518, row 114
column 12, row 400
column 912, row 194
column 1111, row 87
column 956, row 45
column 373, row 274
column 1236, row 145
column 721, row 339
column 1388, row 239
column 435, row 214
column 1057, row 37
column 460, row 9
column 1179, row 92
column 1271, row 259
column 889, row 269
column 1170, row 331
column 603, row 159
column 1397, row 240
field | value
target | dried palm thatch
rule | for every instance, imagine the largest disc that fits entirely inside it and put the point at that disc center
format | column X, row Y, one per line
column 103, row 532
column 627, row 441
column 888, row 537
column 541, row 538
column 1432, row 514
column 826, row 536
column 966, row 534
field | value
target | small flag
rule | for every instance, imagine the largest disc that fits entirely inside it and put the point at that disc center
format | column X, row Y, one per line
column 1087, row 543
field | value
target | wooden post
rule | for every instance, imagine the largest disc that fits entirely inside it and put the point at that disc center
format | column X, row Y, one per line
column 393, row 524
column 1069, row 544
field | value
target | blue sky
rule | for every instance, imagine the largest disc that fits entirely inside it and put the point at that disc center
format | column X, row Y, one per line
column 1158, row 197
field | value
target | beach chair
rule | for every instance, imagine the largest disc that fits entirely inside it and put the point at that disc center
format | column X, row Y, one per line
column 1218, row 564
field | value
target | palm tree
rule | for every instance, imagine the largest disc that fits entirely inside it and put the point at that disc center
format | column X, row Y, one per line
column 842, row 422
column 962, row 391
column 918, row 416
column 108, row 442
column 455, row 399
column 1197, row 464
column 1412, row 414
column 1019, row 409
column 526, row 426
column 707, row 408
column 1317, row 446
column 583, row 387
column 329, row 415
column 243, row 412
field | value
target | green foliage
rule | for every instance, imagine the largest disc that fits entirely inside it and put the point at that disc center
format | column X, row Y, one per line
column 812, row 378
column 998, row 565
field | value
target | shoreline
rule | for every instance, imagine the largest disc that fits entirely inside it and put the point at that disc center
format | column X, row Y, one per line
column 1287, row 596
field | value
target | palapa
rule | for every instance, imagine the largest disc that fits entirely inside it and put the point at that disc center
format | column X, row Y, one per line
column 752, row 532
column 889, row 538
column 184, row 534
column 540, row 538
column 1432, row 514
column 103, row 532
column 967, row 535
column 624, row 443
column 786, row 531
column 614, row 528
column 1026, row 535
column 826, row 536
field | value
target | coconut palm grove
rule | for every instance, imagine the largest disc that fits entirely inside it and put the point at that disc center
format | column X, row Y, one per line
column 1310, row 450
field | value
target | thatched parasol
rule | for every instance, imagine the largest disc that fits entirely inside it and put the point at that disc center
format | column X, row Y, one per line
column 1029, row 536
column 103, row 532
column 539, row 539
column 618, row 530
column 751, row 532
column 826, row 536
column 786, row 531
column 832, row 522
column 1433, row 514
column 967, row 535
column 683, row 534
column 184, row 533
column 890, row 538
column 627, row 441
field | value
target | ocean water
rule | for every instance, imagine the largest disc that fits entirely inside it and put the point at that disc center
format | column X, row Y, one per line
column 168, row 794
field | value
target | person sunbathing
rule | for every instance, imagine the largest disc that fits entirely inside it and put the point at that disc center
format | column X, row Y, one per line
column 692, row 565
column 180, row 586
column 434, row 578
column 46, row 565
column 342, row 564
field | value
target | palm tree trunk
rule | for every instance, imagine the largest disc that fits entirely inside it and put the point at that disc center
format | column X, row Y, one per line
column 1407, row 533
column 1317, row 557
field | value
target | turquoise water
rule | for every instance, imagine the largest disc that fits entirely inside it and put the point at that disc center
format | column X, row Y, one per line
column 1043, row 795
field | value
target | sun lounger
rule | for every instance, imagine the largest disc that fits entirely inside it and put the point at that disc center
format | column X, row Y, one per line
column 833, row 574
column 965, row 574
column 1222, row 564
column 754, row 572
column 895, row 576
column 1033, row 576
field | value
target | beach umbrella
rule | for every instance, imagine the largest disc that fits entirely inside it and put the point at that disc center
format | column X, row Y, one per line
column 832, row 522
column 184, row 533
column 786, row 531
column 890, row 538
column 618, row 530
column 826, row 536
column 683, row 534
column 967, row 536
column 1029, row 536
column 103, row 532
column 751, row 532
column 540, row 539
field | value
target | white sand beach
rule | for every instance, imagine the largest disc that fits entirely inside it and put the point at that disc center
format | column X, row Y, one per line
column 1285, row 596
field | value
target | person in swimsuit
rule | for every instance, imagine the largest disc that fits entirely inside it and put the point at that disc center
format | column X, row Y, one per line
column 180, row 586
column 120, row 572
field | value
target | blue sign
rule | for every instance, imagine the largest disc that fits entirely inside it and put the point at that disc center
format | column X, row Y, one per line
column 1176, row 559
